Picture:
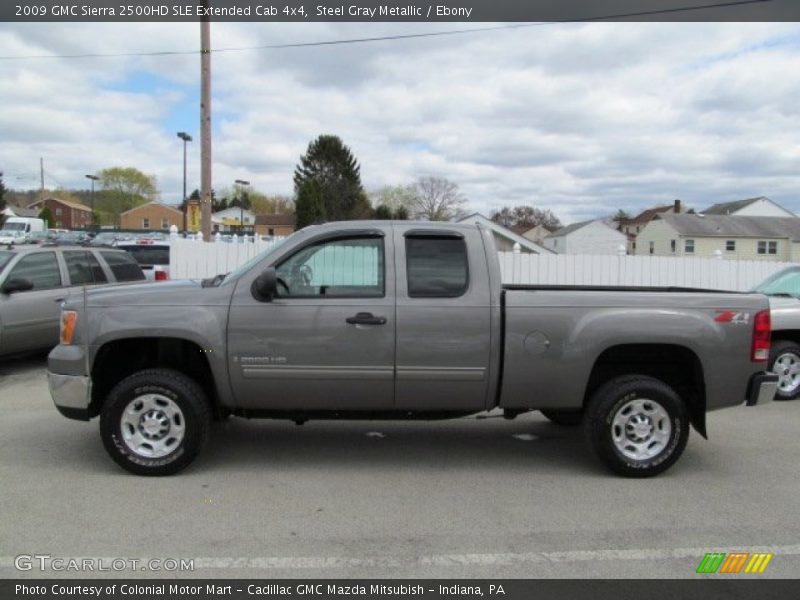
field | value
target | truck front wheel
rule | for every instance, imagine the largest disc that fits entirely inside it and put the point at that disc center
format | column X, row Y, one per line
column 155, row 422
column 637, row 425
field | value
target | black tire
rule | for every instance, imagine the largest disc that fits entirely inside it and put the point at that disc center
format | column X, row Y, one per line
column 617, row 396
column 171, row 389
column 565, row 418
column 782, row 349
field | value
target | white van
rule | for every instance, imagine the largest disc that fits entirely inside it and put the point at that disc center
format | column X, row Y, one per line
column 17, row 230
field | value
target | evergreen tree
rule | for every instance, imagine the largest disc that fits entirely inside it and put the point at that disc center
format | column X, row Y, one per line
column 383, row 212
column 310, row 204
column 47, row 215
column 332, row 165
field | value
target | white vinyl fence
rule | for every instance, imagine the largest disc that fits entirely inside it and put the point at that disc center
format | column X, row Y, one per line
column 190, row 259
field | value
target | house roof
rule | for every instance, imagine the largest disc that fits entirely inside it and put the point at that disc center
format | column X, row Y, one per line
column 647, row 215
column 730, row 208
column 70, row 203
column 161, row 204
column 19, row 211
column 506, row 233
column 734, row 226
column 569, row 228
column 280, row 220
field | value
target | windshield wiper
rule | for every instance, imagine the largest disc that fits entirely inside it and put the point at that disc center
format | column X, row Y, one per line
column 213, row 281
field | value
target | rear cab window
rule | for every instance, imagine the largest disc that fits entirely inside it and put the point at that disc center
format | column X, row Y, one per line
column 436, row 265
column 146, row 255
column 123, row 266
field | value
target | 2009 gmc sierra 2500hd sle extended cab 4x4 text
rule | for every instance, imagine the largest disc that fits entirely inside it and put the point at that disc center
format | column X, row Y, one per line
column 404, row 320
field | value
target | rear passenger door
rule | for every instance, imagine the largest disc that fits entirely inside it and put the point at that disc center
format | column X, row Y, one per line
column 443, row 321
column 30, row 318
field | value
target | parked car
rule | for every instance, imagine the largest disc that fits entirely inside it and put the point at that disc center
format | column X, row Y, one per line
column 152, row 256
column 41, row 237
column 403, row 320
column 783, row 289
column 34, row 281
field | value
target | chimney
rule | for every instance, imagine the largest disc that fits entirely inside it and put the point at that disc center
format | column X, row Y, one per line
column 677, row 208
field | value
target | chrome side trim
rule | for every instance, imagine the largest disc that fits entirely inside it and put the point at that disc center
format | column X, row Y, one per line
column 441, row 373
column 313, row 372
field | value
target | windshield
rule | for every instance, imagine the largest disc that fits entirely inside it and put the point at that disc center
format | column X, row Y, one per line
column 259, row 257
column 5, row 256
column 14, row 227
column 783, row 282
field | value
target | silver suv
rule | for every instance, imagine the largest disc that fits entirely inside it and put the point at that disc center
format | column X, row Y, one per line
column 34, row 281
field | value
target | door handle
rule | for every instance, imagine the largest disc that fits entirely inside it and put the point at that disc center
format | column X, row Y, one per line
column 365, row 318
column 58, row 300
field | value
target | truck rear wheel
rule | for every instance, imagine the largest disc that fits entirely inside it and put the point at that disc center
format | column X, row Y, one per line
column 155, row 422
column 637, row 425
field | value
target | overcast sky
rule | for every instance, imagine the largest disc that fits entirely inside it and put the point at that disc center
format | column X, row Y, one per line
column 582, row 119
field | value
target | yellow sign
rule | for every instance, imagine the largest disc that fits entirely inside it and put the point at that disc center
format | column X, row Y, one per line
column 193, row 217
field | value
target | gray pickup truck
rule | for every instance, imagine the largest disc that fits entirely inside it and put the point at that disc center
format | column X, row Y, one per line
column 403, row 320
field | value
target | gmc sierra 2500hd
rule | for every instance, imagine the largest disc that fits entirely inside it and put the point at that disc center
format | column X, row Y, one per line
column 403, row 320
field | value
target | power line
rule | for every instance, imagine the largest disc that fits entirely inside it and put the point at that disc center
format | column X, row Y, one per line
column 385, row 38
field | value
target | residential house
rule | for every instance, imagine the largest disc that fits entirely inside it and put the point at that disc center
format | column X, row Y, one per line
column 19, row 211
column 66, row 214
column 153, row 215
column 587, row 237
column 632, row 227
column 504, row 238
column 278, row 225
column 534, row 234
column 732, row 237
column 750, row 207
column 233, row 219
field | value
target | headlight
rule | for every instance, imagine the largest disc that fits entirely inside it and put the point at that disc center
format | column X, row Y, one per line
column 68, row 320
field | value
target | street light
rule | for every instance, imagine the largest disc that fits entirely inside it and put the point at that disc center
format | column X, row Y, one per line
column 186, row 138
column 241, row 207
column 91, row 196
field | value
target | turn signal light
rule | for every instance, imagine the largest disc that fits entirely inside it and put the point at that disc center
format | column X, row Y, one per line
column 68, row 320
column 762, row 328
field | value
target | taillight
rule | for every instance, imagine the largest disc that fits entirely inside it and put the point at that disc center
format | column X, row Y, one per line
column 762, row 327
column 161, row 276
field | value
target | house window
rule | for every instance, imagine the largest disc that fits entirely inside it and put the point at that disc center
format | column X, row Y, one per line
column 164, row 223
column 633, row 246
column 672, row 246
column 652, row 247
column 637, row 229
column 688, row 246
column 58, row 212
column 145, row 223
column 765, row 247
column 730, row 245
column 271, row 231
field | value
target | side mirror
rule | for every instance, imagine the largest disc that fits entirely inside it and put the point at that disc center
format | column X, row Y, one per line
column 265, row 286
column 17, row 285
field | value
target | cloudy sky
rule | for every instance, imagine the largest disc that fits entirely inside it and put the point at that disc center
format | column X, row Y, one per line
column 582, row 119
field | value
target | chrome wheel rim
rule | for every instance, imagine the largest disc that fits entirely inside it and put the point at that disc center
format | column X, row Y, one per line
column 152, row 425
column 641, row 429
column 787, row 367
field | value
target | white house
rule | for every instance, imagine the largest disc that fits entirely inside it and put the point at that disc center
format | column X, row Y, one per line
column 233, row 219
column 749, row 207
column 587, row 237
column 504, row 238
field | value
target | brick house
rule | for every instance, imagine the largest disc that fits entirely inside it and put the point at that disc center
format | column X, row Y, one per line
column 274, row 224
column 153, row 215
column 66, row 214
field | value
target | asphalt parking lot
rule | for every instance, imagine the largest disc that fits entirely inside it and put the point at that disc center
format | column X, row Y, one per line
column 462, row 498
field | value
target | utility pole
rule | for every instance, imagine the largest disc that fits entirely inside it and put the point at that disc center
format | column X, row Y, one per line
column 93, row 179
column 41, row 174
column 242, row 198
column 205, row 126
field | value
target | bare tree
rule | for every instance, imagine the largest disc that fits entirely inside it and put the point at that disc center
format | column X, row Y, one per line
column 526, row 216
column 436, row 199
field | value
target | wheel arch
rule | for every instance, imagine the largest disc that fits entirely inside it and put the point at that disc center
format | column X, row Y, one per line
column 674, row 364
column 119, row 358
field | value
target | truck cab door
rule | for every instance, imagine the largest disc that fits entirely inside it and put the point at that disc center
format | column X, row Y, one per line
column 444, row 322
column 327, row 340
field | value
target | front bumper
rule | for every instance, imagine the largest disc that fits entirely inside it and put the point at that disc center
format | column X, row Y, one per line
column 71, row 394
column 762, row 388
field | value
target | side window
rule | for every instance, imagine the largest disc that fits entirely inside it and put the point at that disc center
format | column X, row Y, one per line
column 78, row 268
column 340, row 268
column 41, row 269
column 123, row 266
column 436, row 267
column 98, row 274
